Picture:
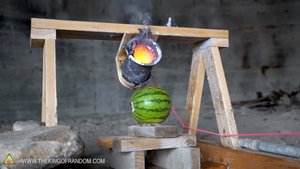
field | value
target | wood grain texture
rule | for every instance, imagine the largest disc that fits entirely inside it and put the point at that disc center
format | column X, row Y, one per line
column 139, row 144
column 156, row 131
column 195, row 88
column 128, row 160
column 107, row 142
column 244, row 159
column 120, row 57
column 179, row 158
column 212, row 165
column 220, row 96
column 214, row 42
column 43, row 113
column 218, row 156
column 49, row 99
column 40, row 35
column 113, row 31
column 196, row 81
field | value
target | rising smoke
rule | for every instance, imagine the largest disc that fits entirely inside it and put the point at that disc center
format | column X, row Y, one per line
column 139, row 12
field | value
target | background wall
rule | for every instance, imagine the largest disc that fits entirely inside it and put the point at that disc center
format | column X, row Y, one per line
column 263, row 54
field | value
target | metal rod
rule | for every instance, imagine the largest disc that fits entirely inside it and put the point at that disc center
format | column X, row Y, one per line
column 281, row 149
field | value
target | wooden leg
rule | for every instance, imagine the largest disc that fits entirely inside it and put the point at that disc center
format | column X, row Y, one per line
column 220, row 96
column 49, row 100
column 43, row 115
column 128, row 160
column 195, row 88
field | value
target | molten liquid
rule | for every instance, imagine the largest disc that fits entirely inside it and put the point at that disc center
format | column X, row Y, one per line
column 144, row 54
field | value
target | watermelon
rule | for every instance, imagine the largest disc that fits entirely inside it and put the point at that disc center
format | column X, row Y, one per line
column 150, row 105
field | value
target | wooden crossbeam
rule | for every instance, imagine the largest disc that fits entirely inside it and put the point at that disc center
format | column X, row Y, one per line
column 128, row 143
column 139, row 144
column 107, row 142
column 114, row 31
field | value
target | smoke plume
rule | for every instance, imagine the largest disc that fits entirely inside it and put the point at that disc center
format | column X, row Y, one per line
column 139, row 12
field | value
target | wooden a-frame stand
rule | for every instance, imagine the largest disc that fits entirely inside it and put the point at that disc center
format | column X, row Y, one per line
column 206, row 58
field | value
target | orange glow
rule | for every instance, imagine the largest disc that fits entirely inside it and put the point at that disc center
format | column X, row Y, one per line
column 144, row 54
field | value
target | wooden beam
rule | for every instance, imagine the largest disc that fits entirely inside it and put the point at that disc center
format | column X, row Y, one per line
column 120, row 57
column 179, row 158
column 214, row 42
column 107, row 142
column 49, row 100
column 220, row 96
column 40, row 35
column 245, row 159
column 196, row 81
column 43, row 114
column 156, row 131
column 139, row 144
column 194, row 94
column 128, row 160
column 113, row 31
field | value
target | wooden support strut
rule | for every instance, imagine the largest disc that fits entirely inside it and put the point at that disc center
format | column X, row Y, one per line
column 194, row 93
column 206, row 57
column 49, row 100
column 220, row 96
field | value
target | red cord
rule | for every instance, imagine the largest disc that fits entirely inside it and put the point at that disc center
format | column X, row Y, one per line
column 232, row 135
column 226, row 135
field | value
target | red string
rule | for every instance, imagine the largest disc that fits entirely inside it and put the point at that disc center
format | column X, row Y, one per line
column 231, row 135
column 225, row 135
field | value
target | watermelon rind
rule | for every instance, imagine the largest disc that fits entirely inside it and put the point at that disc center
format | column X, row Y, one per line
column 150, row 105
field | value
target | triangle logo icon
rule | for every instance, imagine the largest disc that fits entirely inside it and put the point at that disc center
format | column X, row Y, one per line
column 9, row 160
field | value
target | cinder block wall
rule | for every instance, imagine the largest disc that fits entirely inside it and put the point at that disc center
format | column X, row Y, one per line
column 263, row 53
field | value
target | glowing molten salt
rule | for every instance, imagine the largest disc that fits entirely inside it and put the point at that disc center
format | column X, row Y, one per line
column 144, row 54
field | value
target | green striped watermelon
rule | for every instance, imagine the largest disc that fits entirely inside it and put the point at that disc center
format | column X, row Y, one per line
column 150, row 105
